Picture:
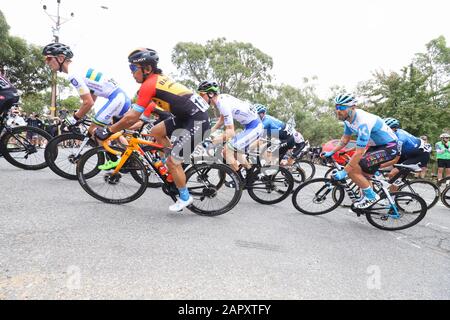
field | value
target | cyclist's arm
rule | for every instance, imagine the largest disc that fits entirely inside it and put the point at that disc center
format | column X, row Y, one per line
column 131, row 117
column 87, row 103
column 342, row 143
column 219, row 124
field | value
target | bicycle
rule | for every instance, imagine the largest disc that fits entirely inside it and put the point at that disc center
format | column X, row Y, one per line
column 394, row 211
column 128, row 181
column 64, row 151
column 427, row 190
column 445, row 196
column 18, row 148
column 264, row 184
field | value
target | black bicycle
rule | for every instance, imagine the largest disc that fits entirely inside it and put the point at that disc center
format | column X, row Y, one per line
column 393, row 211
column 23, row 146
column 265, row 184
column 404, row 181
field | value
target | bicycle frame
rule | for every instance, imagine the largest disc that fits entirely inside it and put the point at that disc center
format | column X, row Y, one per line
column 133, row 146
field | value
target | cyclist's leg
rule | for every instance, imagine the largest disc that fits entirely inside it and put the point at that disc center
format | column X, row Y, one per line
column 369, row 164
column 240, row 144
column 188, row 133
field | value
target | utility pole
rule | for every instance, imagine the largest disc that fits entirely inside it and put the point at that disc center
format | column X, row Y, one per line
column 57, row 20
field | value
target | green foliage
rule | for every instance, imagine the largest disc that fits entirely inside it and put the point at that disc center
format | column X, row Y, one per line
column 419, row 95
column 72, row 103
column 22, row 62
column 35, row 102
column 239, row 68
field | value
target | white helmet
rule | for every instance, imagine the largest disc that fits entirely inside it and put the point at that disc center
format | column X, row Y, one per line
column 444, row 135
column 345, row 99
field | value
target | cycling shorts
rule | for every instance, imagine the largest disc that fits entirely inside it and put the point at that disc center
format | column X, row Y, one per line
column 416, row 157
column 242, row 141
column 377, row 155
column 117, row 105
column 186, row 134
column 443, row 163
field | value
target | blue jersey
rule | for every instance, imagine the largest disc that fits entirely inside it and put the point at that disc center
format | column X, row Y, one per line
column 273, row 124
column 369, row 128
column 407, row 143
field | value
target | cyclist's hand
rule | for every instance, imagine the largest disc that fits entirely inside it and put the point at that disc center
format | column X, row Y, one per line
column 103, row 134
column 340, row 175
column 326, row 154
column 70, row 121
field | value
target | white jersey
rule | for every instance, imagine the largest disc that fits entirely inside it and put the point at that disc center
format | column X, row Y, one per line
column 233, row 108
column 91, row 81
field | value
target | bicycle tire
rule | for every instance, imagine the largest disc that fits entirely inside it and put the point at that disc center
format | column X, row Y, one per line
column 254, row 185
column 133, row 164
column 371, row 214
column 14, row 134
column 309, row 173
column 324, row 189
column 53, row 153
column 418, row 186
column 210, row 192
column 445, row 196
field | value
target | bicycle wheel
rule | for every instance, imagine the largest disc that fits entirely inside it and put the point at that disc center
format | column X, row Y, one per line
column 64, row 151
column 23, row 147
column 346, row 202
column 270, row 185
column 427, row 190
column 445, row 196
column 212, row 196
column 307, row 167
column 318, row 196
column 410, row 206
column 125, row 186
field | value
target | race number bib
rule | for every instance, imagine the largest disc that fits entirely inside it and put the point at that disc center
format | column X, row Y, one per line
column 200, row 103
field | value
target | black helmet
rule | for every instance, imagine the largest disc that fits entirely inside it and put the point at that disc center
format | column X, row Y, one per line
column 208, row 86
column 144, row 57
column 55, row 48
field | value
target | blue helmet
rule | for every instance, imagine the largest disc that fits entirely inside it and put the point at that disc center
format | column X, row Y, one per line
column 392, row 123
column 260, row 108
column 345, row 99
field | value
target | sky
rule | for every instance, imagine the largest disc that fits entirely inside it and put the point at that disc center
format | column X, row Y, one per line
column 341, row 42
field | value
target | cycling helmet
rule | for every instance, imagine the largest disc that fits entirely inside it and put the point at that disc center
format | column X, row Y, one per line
column 444, row 135
column 208, row 86
column 55, row 48
column 345, row 99
column 392, row 123
column 144, row 57
column 260, row 108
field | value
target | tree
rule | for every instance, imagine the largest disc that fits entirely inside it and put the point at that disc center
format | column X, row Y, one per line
column 239, row 68
column 22, row 62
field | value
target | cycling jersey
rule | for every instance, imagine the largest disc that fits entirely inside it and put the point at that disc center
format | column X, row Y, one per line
column 272, row 123
column 407, row 143
column 92, row 81
column 8, row 95
column 298, row 137
column 369, row 128
column 233, row 108
column 170, row 96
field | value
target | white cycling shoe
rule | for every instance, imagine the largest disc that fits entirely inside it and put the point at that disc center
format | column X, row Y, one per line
column 365, row 202
column 180, row 204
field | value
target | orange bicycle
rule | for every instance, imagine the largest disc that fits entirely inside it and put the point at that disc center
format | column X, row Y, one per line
column 141, row 158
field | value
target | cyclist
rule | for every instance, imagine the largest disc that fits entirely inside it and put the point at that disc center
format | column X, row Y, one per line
column 8, row 95
column 288, row 136
column 232, row 108
column 367, row 127
column 89, row 84
column 190, row 118
column 443, row 155
column 412, row 149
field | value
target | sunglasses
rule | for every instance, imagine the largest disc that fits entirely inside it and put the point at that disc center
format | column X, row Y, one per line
column 341, row 108
column 134, row 68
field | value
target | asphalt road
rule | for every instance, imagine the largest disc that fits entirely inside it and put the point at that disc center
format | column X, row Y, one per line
column 59, row 243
